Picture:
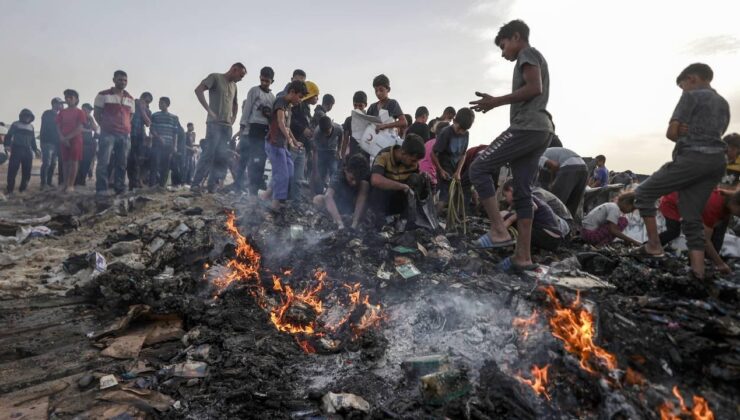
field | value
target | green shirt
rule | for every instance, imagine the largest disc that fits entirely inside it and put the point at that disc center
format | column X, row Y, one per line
column 221, row 98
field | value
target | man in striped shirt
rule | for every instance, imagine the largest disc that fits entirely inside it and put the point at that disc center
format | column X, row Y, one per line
column 165, row 129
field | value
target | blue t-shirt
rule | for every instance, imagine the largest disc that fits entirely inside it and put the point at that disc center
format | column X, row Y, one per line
column 602, row 175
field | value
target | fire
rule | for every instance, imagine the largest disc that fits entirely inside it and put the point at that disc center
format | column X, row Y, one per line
column 699, row 411
column 574, row 326
column 539, row 381
column 525, row 323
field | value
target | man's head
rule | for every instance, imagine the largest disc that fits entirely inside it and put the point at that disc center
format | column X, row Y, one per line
column 512, row 38
column 412, row 150
column 449, row 113
column 359, row 100
column 733, row 146
column 26, row 116
column 164, row 103
column 356, row 169
column 191, row 127
column 325, row 125
column 463, row 120
column 295, row 92
column 312, row 97
column 328, row 102
column 600, row 160
column 236, row 72
column 298, row 74
column 146, row 97
column 695, row 76
column 267, row 76
column 57, row 104
column 382, row 86
column 87, row 108
column 120, row 79
column 71, row 97
column 422, row 114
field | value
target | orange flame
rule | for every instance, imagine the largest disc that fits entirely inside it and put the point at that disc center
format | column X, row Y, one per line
column 699, row 411
column 539, row 383
column 525, row 323
column 574, row 326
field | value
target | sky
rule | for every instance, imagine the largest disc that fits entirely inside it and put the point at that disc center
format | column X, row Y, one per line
column 612, row 65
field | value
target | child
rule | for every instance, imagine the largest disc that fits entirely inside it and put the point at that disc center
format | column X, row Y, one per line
column 325, row 145
column 548, row 230
column 716, row 212
column 70, row 124
column 697, row 125
column 89, row 146
column 605, row 223
column 327, row 103
column 600, row 175
column 732, row 174
column 521, row 145
column 348, row 191
column 165, row 130
column 20, row 142
column 359, row 102
column 420, row 127
column 449, row 151
column 382, row 87
column 279, row 138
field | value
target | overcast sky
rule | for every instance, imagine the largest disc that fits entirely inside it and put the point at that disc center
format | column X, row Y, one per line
column 612, row 64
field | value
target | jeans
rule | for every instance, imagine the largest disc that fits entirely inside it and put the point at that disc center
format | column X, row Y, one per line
column 112, row 156
column 257, row 157
column 327, row 165
column 49, row 158
column 298, row 157
column 242, row 162
column 214, row 159
column 161, row 160
column 21, row 157
column 282, row 170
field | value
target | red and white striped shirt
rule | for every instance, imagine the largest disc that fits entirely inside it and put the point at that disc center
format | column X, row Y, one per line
column 116, row 110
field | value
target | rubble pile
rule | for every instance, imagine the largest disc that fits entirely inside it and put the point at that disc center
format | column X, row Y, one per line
column 177, row 305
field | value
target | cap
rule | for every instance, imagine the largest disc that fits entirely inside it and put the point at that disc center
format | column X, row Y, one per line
column 57, row 101
column 313, row 90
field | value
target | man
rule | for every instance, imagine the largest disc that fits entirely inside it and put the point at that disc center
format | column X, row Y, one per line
column 568, row 173
column 50, row 143
column 142, row 118
column 114, row 109
column 447, row 115
column 222, row 107
column 395, row 175
column 165, row 131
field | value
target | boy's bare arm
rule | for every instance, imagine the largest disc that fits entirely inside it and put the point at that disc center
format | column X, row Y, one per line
column 532, row 88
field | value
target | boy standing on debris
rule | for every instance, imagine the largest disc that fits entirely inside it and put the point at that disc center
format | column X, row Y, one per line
column 521, row 145
column 165, row 130
column 347, row 192
column 20, row 142
column 449, row 151
column 278, row 140
column 359, row 103
column 697, row 125
column 71, row 124
column 395, row 174
column 382, row 86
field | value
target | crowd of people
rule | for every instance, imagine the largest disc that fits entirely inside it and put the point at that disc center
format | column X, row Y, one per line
column 120, row 137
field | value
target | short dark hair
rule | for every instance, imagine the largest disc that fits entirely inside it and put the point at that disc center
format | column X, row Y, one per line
column 119, row 73
column 464, row 118
column 732, row 140
column 188, row 124
column 382, row 80
column 267, row 72
column 508, row 30
column 421, row 111
column 600, row 157
column 408, row 119
column 71, row 92
column 165, row 100
column 359, row 97
column 239, row 65
column 298, row 87
column 441, row 125
column 299, row 72
column 146, row 95
column 87, row 106
column 703, row 71
column 328, row 99
column 450, row 110
column 358, row 166
column 413, row 145
column 325, row 123
column 626, row 198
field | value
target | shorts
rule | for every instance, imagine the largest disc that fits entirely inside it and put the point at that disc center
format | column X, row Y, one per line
column 73, row 152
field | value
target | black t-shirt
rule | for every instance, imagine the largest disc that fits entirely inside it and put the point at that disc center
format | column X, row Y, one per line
column 421, row 130
column 392, row 106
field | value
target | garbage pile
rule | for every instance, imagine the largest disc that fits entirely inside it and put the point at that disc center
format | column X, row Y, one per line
column 212, row 307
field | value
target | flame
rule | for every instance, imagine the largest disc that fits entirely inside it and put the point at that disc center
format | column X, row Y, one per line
column 539, row 383
column 574, row 326
column 699, row 411
column 524, row 323
column 306, row 346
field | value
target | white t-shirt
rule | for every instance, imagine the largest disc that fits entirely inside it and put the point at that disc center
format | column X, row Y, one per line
column 607, row 212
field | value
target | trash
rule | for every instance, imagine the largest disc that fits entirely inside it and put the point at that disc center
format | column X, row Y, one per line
column 190, row 369
column 442, row 387
column 85, row 380
column 122, row 323
column 26, row 232
column 181, row 203
column 165, row 330
column 382, row 274
column 127, row 346
column 75, row 263
column 417, row 367
column 333, row 403
column 296, row 232
column 124, row 247
column 403, row 250
column 407, row 270
column 140, row 398
column 421, row 249
column 177, row 405
column 155, row 245
column 181, row 229
column 193, row 211
column 200, row 352
column 108, row 381
column 100, row 263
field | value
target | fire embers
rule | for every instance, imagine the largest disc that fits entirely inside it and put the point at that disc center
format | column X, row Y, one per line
column 539, row 381
column 302, row 313
column 699, row 411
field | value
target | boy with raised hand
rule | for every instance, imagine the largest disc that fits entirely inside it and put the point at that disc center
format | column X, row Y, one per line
column 165, row 130
column 347, row 192
column 349, row 143
column 521, row 145
column 20, row 143
column 449, row 151
column 382, row 86
column 697, row 125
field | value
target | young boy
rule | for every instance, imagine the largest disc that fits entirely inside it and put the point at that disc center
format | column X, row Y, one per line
column 600, row 175
column 382, row 86
column 165, row 130
column 325, row 144
column 420, row 127
column 548, row 230
column 279, row 138
column 20, row 142
column 395, row 173
column 347, row 193
column 447, row 115
column 449, row 151
column 70, row 124
column 605, row 223
column 327, row 103
column 697, row 125
column 89, row 146
column 521, row 145
column 359, row 102
column 732, row 174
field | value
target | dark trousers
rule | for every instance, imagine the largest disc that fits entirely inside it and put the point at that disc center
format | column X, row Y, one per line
column 240, row 172
column 88, row 153
column 21, row 157
column 694, row 175
column 161, row 159
column 134, row 162
column 543, row 240
column 257, row 157
column 569, row 186
column 214, row 159
column 49, row 160
column 521, row 149
column 326, row 161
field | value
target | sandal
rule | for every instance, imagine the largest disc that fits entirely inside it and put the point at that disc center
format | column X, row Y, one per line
column 485, row 242
column 507, row 266
column 642, row 252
